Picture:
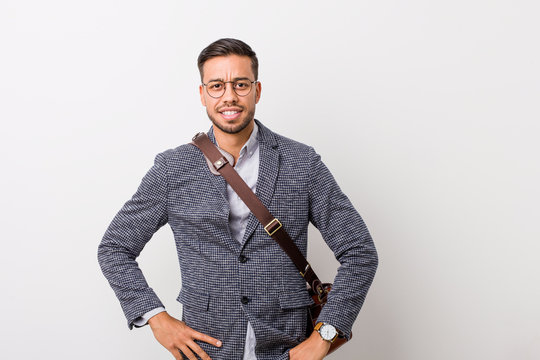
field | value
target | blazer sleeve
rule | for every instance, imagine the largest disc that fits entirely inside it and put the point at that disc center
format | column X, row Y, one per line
column 344, row 231
column 126, row 236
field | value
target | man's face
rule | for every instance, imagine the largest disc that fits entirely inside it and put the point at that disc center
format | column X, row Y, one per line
column 230, row 113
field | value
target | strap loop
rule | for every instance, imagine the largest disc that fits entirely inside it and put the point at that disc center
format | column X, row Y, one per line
column 272, row 227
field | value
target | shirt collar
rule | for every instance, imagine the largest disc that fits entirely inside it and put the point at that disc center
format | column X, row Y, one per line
column 249, row 148
column 252, row 144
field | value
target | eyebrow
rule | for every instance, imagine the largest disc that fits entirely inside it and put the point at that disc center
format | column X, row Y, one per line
column 235, row 79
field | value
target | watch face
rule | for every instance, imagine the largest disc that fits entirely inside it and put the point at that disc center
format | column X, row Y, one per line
column 328, row 332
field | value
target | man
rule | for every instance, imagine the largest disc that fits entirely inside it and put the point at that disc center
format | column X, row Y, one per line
column 242, row 296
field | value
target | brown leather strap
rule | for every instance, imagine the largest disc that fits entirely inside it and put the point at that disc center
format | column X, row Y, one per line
column 271, row 224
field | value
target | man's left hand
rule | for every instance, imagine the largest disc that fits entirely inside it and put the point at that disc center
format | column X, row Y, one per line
column 313, row 348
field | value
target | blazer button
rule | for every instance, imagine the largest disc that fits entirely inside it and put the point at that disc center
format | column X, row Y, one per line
column 245, row 300
column 242, row 259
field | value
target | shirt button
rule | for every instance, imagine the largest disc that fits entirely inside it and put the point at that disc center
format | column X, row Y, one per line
column 242, row 259
column 245, row 300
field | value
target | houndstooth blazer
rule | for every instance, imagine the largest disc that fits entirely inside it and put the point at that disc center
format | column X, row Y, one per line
column 226, row 283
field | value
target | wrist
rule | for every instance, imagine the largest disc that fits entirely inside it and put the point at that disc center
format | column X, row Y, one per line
column 158, row 318
column 318, row 341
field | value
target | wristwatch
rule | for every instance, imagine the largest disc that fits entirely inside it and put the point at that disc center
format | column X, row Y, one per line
column 327, row 331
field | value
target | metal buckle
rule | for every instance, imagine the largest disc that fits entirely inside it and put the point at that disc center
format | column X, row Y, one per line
column 220, row 163
column 308, row 266
column 322, row 292
column 270, row 224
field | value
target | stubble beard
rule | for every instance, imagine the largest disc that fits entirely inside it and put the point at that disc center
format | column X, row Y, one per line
column 232, row 129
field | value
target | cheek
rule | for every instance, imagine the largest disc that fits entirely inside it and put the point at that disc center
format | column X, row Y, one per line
column 210, row 105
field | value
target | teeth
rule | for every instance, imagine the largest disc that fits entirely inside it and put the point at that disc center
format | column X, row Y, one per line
column 229, row 112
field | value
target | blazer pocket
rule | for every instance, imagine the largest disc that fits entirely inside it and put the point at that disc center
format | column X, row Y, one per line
column 295, row 300
column 292, row 210
column 194, row 299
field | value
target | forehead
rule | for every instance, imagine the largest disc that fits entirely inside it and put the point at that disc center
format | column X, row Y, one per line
column 227, row 68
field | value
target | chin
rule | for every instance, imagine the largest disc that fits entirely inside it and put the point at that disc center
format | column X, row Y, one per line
column 230, row 128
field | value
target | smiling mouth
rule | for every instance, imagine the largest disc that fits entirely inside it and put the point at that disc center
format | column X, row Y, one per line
column 231, row 114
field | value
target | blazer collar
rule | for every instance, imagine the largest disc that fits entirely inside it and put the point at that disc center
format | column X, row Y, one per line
column 266, row 136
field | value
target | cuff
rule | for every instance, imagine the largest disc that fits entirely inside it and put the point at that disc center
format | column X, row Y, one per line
column 143, row 320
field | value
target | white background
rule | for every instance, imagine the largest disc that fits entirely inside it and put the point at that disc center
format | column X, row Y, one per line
column 427, row 113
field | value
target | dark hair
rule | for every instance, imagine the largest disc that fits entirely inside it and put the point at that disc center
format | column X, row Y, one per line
column 228, row 46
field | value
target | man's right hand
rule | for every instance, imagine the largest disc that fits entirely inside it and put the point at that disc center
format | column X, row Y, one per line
column 176, row 336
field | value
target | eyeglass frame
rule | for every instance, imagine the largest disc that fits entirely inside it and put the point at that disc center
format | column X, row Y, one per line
column 225, row 87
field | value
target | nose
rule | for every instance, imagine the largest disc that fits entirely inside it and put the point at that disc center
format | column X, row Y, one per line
column 230, row 94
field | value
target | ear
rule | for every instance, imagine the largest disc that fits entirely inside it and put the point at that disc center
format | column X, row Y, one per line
column 257, row 92
column 201, row 93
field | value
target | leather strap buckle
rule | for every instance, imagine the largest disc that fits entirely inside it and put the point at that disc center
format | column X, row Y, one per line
column 221, row 162
column 322, row 291
column 269, row 228
column 308, row 266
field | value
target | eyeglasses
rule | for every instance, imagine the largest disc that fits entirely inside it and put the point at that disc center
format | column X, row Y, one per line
column 241, row 87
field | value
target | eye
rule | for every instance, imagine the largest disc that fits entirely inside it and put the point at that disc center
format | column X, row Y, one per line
column 242, row 84
column 214, row 85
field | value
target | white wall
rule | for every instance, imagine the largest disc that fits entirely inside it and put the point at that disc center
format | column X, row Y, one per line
column 426, row 112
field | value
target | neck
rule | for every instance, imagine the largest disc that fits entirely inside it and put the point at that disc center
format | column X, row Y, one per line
column 232, row 143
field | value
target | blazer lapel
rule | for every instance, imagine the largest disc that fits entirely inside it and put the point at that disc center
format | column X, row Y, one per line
column 218, row 181
column 268, row 174
column 220, row 185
